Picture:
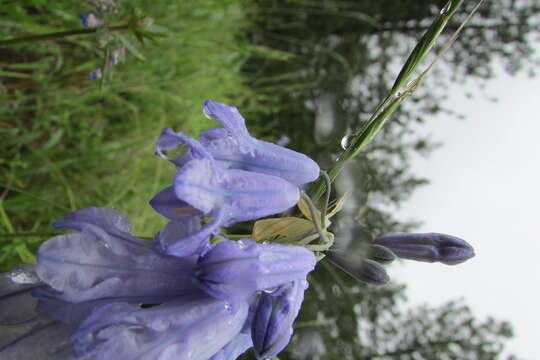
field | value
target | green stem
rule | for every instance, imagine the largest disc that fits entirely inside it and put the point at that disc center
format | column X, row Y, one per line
column 29, row 234
column 60, row 34
column 386, row 107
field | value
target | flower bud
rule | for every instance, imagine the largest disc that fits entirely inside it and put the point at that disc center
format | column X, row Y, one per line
column 271, row 329
column 428, row 247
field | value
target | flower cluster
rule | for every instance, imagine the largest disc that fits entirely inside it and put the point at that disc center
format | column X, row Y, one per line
column 103, row 293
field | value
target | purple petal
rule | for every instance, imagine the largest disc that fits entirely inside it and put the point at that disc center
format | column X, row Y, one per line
column 235, row 270
column 185, row 237
column 106, row 224
column 170, row 140
column 245, row 195
column 192, row 327
column 239, row 345
column 167, row 204
column 428, row 247
column 26, row 332
column 85, row 268
column 272, row 325
column 241, row 151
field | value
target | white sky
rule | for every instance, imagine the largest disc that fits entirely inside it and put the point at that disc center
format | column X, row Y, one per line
column 485, row 188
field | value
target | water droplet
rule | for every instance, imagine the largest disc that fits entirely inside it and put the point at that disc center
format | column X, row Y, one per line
column 444, row 10
column 398, row 94
column 345, row 142
column 266, row 242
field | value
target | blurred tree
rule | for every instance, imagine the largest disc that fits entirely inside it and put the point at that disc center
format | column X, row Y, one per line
column 339, row 58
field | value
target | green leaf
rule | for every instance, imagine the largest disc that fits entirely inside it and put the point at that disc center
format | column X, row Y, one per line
column 131, row 47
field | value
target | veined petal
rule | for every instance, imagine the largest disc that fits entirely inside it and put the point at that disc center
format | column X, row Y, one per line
column 193, row 327
column 85, row 268
column 241, row 151
column 235, row 270
column 105, row 224
column 245, row 195
column 272, row 329
column 26, row 333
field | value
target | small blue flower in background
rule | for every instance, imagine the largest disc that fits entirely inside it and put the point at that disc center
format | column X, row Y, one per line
column 90, row 20
column 95, row 74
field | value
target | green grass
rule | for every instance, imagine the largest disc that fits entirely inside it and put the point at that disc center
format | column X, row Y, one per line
column 67, row 144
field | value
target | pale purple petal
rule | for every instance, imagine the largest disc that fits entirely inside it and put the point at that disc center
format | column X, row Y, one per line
column 105, row 224
column 26, row 333
column 192, row 327
column 167, row 204
column 272, row 329
column 235, row 270
column 245, row 195
column 241, row 151
column 85, row 268
column 239, row 345
column 185, row 237
column 428, row 247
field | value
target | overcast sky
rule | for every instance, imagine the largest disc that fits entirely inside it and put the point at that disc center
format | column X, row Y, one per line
column 485, row 189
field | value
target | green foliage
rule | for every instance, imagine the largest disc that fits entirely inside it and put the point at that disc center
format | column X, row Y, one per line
column 66, row 143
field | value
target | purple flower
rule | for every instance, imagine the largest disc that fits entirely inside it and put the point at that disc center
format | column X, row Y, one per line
column 271, row 329
column 233, row 147
column 428, row 247
column 235, row 270
column 95, row 74
column 228, row 195
column 193, row 326
column 105, row 262
column 90, row 20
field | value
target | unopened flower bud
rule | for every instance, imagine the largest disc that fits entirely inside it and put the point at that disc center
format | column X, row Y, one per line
column 428, row 247
column 271, row 329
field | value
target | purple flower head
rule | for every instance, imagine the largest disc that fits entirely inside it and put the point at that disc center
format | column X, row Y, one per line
column 95, row 74
column 235, row 270
column 106, row 262
column 90, row 20
column 193, row 326
column 233, row 147
column 229, row 195
column 271, row 329
column 428, row 247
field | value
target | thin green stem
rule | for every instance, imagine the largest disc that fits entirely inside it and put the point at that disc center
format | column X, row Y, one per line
column 386, row 107
column 29, row 234
column 59, row 34
column 328, row 183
